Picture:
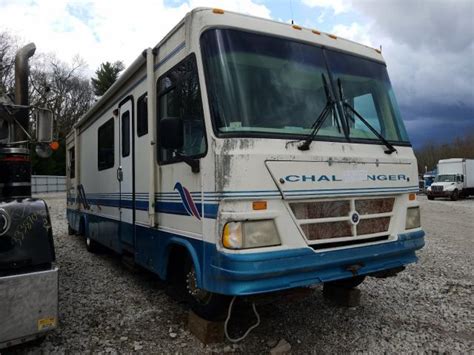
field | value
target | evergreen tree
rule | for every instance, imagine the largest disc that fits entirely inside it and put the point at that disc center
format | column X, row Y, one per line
column 106, row 75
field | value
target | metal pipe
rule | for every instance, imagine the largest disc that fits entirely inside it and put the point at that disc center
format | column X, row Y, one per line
column 21, row 87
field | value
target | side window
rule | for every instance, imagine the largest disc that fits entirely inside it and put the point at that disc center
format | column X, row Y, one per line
column 72, row 163
column 126, row 134
column 105, row 144
column 179, row 95
column 142, row 116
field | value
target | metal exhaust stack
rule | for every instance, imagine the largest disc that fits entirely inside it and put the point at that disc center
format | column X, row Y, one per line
column 21, row 88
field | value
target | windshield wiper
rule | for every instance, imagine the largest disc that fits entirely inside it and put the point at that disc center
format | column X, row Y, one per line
column 390, row 148
column 318, row 123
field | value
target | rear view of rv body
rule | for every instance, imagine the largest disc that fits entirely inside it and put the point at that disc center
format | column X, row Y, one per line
column 243, row 156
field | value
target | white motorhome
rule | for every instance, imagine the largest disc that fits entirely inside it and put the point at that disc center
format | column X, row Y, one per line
column 455, row 178
column 242, row 156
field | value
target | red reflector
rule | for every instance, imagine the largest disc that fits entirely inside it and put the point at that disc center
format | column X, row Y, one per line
column 16, row 158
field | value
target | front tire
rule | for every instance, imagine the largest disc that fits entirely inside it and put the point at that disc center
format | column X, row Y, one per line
column 431, row 198
column 455, row 195
column 92, row 246
column 207, row 305
column 70, row 231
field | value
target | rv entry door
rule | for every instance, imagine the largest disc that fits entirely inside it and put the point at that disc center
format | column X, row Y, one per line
column 125, row 175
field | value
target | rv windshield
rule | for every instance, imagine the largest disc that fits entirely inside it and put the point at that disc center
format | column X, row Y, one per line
column 265, row 86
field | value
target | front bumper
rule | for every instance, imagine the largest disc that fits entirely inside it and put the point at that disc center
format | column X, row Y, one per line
column 443, row 193
column 28, row 306
column 245, row 274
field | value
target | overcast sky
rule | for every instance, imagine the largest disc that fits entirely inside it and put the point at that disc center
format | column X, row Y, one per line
column 428, row 44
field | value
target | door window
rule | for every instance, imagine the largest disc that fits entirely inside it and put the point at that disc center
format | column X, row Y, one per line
column 72, row 163
column 126, row 134
column 142, row 115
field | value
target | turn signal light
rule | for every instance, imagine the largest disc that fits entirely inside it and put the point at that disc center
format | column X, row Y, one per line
column 218, row 11
column 54, row 145
column 412, row 197
column 259, row 205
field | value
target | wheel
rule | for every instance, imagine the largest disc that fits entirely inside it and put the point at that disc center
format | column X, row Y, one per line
column 431, row 198
column 70, row 231
column 207, row 305
column 347, row 283
column 92, row 246
column 455, row 195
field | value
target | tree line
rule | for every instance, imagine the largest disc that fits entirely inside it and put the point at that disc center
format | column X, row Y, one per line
column 64, row 88
column 429, row 155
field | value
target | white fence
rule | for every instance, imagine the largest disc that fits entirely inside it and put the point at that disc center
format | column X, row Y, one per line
column 41, row 184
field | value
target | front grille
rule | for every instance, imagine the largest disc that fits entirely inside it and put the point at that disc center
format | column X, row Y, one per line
column 317, row 231
column 437, row 188
column 327, row 224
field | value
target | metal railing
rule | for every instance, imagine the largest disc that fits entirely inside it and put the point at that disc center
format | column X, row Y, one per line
column 41, row 184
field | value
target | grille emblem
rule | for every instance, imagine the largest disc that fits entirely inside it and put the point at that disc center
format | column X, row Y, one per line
column 355, row 218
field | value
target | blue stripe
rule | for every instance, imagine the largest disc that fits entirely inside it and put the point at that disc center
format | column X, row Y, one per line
column 210, row 210
column 170, row 202
column 256, row 193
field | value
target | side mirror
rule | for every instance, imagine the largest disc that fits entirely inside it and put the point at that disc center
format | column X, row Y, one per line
column 44, row 125
column 171, row 133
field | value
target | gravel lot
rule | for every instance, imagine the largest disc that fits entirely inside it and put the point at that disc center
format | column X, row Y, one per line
column 429, row 307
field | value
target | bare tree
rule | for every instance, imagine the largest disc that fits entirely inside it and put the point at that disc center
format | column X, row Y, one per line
column 8, row 47
column 63, row 88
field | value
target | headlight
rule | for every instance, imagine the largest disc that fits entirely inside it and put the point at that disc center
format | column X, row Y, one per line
column 413, row 218
column 250, row 234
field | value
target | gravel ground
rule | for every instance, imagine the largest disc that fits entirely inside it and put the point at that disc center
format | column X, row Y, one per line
column 104, row 307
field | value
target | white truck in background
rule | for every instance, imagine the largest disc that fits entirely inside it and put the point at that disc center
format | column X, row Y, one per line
column 455, row 179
